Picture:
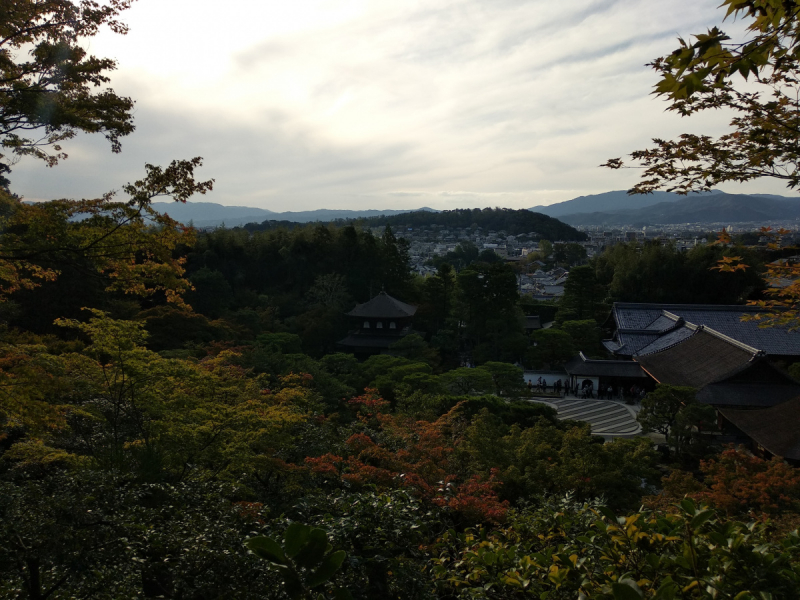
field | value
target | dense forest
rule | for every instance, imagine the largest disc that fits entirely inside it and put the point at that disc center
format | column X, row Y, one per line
column 513, row 222
column 177, row 419
column 178, row 423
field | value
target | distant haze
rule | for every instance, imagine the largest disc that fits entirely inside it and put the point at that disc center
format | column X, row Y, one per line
column 608, row 208
column 616, row 208
column 617, row 200
column 207, row 214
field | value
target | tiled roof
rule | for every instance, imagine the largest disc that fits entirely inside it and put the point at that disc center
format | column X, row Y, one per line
column 661, row 323
column 662, row 342
column 748, row 395
column 773, row 428
column 383, row 306
column 633, row 320
column 586, row 367
column 704, row 357
column 633, row 317
column 632, row 343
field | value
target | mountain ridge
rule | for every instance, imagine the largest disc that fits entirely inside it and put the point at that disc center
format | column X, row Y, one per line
column 716, row 208
column 210, row 214
column 606, row 201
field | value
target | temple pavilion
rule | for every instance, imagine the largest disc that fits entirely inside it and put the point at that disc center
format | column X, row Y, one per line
column 380, row 322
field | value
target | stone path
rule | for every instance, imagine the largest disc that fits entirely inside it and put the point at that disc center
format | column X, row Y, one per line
column 607, row 417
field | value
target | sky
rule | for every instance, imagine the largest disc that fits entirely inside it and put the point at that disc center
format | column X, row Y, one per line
column 362, row 104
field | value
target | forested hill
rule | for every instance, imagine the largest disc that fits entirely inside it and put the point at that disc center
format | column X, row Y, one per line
column 509, row 220
column 716, row 208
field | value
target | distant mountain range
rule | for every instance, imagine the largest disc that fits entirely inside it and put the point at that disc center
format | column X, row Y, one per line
column 608, row 201
column 513, row 222
column 663, row 208
column 609, row 208
column 209, row 214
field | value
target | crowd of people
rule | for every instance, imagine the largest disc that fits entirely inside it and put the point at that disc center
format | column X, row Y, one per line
column 585, row 389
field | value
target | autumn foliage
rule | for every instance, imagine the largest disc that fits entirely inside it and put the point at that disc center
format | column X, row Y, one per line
column 418, row 456
column 738, row 483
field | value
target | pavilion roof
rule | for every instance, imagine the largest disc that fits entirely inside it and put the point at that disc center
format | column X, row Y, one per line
column 744, row 395
column 705, row 357
column 587, row 367
column 773, row 428
column 385, row 307
column 640, row 325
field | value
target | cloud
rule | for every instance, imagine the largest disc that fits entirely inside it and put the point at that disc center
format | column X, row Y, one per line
column 356, row 103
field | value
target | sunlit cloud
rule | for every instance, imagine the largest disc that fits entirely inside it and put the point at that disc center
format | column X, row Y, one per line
column 362, row 104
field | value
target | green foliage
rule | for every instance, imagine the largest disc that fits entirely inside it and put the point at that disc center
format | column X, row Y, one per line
column 509, row 412
column 304, row 561
column 388, row 382
column 147, row 453
column 508, row 380
column 423, row 402
column 378, row 365
column 794, row 371
column 212, row 295
column 345, row 367
column 702, row 75
column 439, row 293
column 54, row 90
column 583, row 296
column 330, row 291
column 429, row 406
column 487, row 301
column 103, row 238
column 95, row 534
column 420, row 383
column 514, row 222
column 569, row 550
column 661, row 273
column 414, row 347
column 385, row 536
column 674, row 412
column 465, row 380
column 569, row 254
column 585, row 336
column 551, row 348
column 546, row 311
column 125, row 408
column 170, row 328
column 540, row 457
column 286, row 343
column 306, row 274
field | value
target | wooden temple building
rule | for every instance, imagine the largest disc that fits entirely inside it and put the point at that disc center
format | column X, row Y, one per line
column 619, row 374
column 731, row 363
column 757, row 403
column 640, row 328
column 726, row 373
column 379, row 323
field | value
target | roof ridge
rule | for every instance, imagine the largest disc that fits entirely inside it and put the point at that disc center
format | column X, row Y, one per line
column 602, row 360
column 679, row 321
column 754, row 351
column 640, row 331
column 692, row 326
column 664, row 306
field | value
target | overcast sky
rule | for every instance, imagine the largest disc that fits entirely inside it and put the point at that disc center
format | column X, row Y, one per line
column 387, row 104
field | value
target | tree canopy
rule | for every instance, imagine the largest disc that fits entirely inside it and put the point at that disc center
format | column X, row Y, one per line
column 708, row 73
column 513, row 222
column 50, row 95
